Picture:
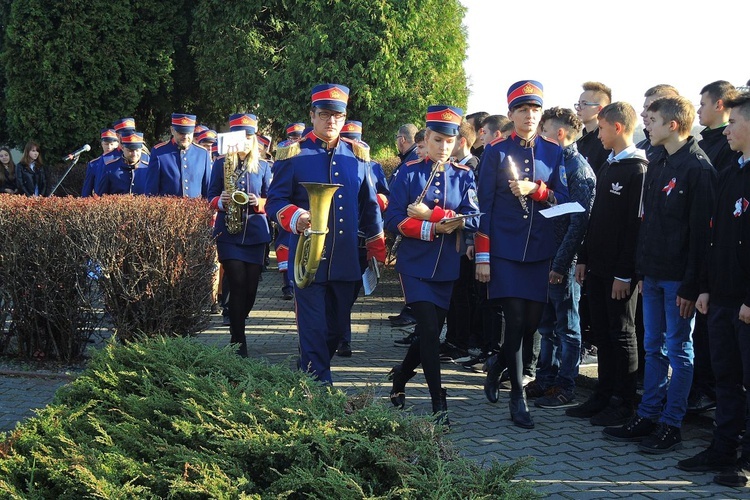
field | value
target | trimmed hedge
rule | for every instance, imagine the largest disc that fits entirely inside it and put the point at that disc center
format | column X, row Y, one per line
column 172, row 418
column 148, row 260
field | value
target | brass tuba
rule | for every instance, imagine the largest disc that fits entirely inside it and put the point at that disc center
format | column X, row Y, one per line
column 311, row 244
column 233, row 215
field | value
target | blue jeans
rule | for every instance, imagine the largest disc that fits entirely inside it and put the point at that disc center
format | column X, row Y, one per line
column 668, row 343
column 560, row 329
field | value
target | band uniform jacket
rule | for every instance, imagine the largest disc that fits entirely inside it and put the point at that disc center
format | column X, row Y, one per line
column 423, row 253
column 117, row 177
column 177, row 173
column 255, row 224
column 347, row 163
column 505, row 229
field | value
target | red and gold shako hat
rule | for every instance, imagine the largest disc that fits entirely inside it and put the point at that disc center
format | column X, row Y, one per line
column 199, row 129
column 215, row 149
column 124, row 124
column 206, row 137
column 182, row 123
column 132, row 139
column 108, row 135
column 352, row 130
column 331, row 96
column 295, row 129
column 243, row 121
column 265, row 140
column 444, row 119
column 525, row 91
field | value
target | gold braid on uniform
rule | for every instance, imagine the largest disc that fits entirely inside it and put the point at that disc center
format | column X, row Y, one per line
column 283, row 152
column 361, row 151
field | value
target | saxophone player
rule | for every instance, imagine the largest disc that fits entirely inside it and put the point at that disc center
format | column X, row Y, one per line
column 324, row 307
column 238, row 189
column 426, row 197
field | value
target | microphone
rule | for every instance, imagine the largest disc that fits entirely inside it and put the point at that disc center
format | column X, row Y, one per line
column 77, row 152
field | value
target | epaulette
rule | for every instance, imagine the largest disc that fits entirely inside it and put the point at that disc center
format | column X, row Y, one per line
column 160, row 144
column 361, row 150
column 460, row 166
column 287, row 149
column 112, row 159
column 549, row 140
column 499, row 139
column 409, row 163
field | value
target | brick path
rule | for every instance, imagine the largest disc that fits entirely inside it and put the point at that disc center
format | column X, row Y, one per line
column 570, row 459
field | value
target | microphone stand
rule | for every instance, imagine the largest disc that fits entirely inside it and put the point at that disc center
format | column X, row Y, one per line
column 73, row 164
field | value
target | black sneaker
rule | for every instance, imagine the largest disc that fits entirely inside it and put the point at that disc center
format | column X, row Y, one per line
column 664, row 439
column 556, row 397
column 589, row 408
column 404, row 342
column 738, row 476
column 589, row 356
column 700, row 402
column 344, row 350
column 534, row 390
column 708, row 460
column 616, row 413
column 449, row 353
column 479, row 359
column 636, row 430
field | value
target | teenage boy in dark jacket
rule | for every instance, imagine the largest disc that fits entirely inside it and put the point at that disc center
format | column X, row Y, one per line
column 727, row 280
column 672, row 244
column 607, row 263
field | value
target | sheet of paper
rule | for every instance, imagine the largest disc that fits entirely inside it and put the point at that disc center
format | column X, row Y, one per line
column 565, row 208
column 227, row 140
column 369, row 280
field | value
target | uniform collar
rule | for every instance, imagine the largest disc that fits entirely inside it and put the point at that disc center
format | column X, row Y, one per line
column 322, row 143
column 524, row 143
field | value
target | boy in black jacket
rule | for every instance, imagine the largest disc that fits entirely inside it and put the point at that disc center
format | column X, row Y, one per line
column 607, row 263
column 672, row 244
column 727, row 280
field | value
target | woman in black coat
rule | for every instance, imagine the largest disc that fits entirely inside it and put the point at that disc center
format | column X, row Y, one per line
column 31, row 176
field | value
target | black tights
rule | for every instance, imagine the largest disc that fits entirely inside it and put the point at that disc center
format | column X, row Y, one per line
column 522, row 318
column 426, row 347
column 242, row 280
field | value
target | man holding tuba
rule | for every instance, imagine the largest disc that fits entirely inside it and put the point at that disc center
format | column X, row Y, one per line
column 326, row 271
column 238, row 188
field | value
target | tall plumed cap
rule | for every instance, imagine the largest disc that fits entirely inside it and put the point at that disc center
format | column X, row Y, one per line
column 525, row 91
column 108, row 135
column 132, row 139
column 331, row 96
column 265, row 140
column 352, row 130
column 243, row 121
column 444, row 119
column 182, row 123
column 124, row 124
column 295, row 129
column 206, row 137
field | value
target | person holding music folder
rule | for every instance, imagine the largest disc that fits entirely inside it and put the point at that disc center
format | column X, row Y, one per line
column 426, row 197
column 323, row 306
column 241, row 252
column 518, row 177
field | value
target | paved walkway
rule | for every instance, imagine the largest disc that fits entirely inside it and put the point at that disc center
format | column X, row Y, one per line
column 570, row 459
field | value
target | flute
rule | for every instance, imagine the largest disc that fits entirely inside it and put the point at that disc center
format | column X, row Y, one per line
column 514, row 173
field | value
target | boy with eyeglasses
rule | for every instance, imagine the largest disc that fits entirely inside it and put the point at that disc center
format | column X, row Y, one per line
column 594, row 97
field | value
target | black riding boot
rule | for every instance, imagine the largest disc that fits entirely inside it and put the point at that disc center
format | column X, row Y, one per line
column 440, row 408
column 519, row 411
column 399, row 378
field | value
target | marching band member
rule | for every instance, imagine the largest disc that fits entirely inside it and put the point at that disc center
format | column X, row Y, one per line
column 323, row 307
column 178, row 167
column 426, row 195
column 241, row 249
column 110, row 142
column 518, row 177
column 125, row 173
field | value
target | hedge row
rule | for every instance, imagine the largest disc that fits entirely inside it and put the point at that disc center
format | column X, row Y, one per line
column 148, row 261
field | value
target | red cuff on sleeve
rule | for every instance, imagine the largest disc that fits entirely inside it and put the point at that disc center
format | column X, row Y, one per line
column 414, row 228
column 481, row 243
column 282, row 254
column 439, row 213
column 215, row 202
column 382, row 202
column 376, row 248
column 284, row 217
column 542, row 193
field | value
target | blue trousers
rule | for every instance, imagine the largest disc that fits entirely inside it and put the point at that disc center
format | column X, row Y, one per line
column 323, row 313
column 668, row 342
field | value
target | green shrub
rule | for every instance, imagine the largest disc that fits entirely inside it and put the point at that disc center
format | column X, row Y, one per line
column 172, row 418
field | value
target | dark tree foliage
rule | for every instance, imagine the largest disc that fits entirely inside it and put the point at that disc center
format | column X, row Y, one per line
column 397, row 57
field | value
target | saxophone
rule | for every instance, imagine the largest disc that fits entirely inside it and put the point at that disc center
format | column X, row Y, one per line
column 233, row 212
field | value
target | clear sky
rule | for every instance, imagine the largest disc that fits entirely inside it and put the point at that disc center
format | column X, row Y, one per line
column 629, row 46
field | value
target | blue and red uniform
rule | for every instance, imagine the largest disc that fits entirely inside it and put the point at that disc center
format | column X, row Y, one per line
column 176, row 172
column 117, row 177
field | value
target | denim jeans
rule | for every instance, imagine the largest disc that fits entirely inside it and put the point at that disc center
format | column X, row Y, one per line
column 668, row 343
column 560, row 329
